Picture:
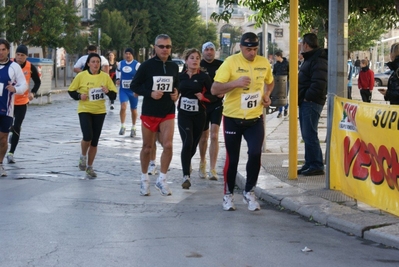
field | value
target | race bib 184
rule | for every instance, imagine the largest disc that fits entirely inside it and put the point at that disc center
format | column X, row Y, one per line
column 96, row 94
column 162, row 83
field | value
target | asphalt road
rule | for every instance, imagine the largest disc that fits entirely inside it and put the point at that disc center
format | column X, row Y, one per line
column 51, row 216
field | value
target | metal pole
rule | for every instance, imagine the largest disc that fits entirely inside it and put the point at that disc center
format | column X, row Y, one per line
column 99, row 40
column 55, row 67
column 337, row 64
column 265, row 48
column 382, row 58
column 293, row 95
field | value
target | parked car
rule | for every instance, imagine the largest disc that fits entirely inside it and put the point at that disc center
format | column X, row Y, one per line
column 179, row 62
column 381, row 79
column 380, row 69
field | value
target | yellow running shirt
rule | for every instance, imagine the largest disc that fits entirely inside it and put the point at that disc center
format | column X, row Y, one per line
column 86, row 83
column 244, row 103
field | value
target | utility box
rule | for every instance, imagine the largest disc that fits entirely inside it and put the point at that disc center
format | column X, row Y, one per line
column 45, row 68
column 278, row 96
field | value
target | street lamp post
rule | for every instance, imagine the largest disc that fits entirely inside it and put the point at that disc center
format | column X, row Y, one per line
column 206, row 14
column 99, row 40
column 3, row 34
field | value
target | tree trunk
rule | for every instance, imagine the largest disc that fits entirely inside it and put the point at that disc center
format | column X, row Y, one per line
column 44, row 50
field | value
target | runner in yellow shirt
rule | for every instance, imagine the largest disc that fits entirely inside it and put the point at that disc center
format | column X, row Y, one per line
column 90, row 87
column 246, row 80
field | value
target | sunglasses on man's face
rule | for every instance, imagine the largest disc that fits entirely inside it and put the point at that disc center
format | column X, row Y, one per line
column 164, row 46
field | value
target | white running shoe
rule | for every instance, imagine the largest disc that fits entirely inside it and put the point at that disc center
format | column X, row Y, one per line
column 3, row 172
column 152, row 169
column 163, row 188
column 144, row 188
column 10, row 158
column 228, row 202
column 202, row 171
column 250, row 199
column 186, row 182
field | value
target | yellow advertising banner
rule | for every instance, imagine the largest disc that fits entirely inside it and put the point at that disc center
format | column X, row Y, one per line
column 364, row 152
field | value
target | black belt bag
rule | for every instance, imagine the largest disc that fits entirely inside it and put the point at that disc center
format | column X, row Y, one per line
column 248, row 123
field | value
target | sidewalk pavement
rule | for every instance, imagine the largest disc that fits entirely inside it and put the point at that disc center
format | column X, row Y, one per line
column 308, row 196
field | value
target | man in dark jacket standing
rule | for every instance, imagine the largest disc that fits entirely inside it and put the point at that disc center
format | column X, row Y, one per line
column 312, row 91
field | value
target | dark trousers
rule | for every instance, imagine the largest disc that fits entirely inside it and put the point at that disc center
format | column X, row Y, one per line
column 309, row 116
column 91, row 126
column 19, row 116
column 280, row 109
column 190, row 128
column 366, row 95
column 253, row 133
column 349, row 92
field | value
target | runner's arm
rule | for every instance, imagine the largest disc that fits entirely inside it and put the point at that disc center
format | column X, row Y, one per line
column 223, row 88
column 138, row 83
column 36, row 79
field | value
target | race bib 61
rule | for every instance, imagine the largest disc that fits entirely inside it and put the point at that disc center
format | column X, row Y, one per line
column 249, row 101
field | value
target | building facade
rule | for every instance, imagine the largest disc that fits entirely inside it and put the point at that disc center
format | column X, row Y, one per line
column 277, row 34
column 86, row 8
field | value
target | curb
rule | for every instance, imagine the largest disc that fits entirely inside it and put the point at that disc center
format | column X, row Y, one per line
column 380, row 228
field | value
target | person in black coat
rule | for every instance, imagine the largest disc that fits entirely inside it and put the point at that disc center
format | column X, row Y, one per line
column 281, row 67
column 312, row 91
column 392, row 93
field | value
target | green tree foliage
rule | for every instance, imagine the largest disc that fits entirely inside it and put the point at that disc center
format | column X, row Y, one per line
column 363, row 32
column 4, row 26
column 104, row 41
column 124, row 28
column 368, row 19
column 50, row 23
column 80, row 41
column 385, row 11
column 178, row 18
column 114, row 25
column 207, row 34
